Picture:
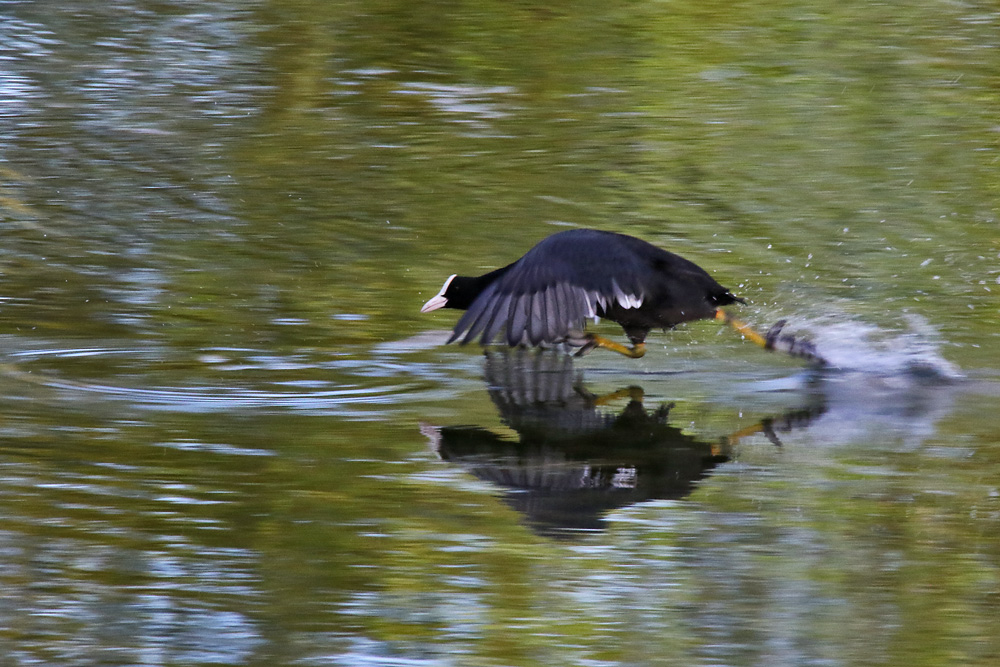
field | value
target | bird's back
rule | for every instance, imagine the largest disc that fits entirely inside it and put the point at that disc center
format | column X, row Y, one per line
column 582, row 273
column 594, row 259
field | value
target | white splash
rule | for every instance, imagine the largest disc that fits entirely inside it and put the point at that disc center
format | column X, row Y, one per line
column 865, row 348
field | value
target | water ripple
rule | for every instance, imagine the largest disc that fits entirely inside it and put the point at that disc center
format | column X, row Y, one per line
column 210, row 399
column 357, row 388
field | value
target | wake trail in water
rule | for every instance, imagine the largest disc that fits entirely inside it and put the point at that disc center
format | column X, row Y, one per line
column 865, row 348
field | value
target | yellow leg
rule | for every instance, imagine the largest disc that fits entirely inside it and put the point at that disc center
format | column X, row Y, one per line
column 765, row 427
column 593, row 340
column 736, row 436
column 743, row 328
column 774, row 340
column 632, row 393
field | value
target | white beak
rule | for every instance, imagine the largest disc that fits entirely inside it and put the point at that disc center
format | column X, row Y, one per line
column 438, row 300
column 434, row 303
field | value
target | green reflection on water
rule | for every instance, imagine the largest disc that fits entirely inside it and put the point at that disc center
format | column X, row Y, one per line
column 219, row 225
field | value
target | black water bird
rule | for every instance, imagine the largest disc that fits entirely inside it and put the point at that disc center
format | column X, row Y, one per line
column 545, row 297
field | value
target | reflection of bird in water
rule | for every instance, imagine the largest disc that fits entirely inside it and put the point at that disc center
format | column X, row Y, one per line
column 575, row 458
column 544, row 298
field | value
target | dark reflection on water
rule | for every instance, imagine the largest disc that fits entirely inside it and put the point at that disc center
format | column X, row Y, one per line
column 149, row 532
column 574, row 459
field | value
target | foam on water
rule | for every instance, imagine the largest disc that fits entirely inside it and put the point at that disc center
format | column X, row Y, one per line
column 864, row 348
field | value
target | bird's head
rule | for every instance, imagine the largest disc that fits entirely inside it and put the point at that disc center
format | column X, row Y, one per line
column 440, row 300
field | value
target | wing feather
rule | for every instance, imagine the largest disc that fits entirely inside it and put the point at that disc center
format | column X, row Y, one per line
column 479, row 308
column 488, row 310
column 517, row 318
column 550, row 331
column 569, row 277
column 557, row 312
column 497, row 319
column 572, row 298
column 536, row 321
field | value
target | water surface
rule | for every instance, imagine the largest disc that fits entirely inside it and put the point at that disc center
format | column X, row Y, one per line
column 229, row 437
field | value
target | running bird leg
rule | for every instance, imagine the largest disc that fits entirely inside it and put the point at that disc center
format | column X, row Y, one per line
column 590, row 341
column 774, row 339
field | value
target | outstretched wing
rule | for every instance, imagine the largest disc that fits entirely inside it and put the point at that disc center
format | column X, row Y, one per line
column 549, row 292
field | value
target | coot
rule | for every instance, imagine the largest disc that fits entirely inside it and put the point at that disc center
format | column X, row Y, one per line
column 544, row 298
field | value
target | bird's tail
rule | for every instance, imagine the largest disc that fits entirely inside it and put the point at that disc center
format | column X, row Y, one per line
column 774, row 339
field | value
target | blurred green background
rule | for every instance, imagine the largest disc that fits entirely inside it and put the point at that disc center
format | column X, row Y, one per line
column 222, row 414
